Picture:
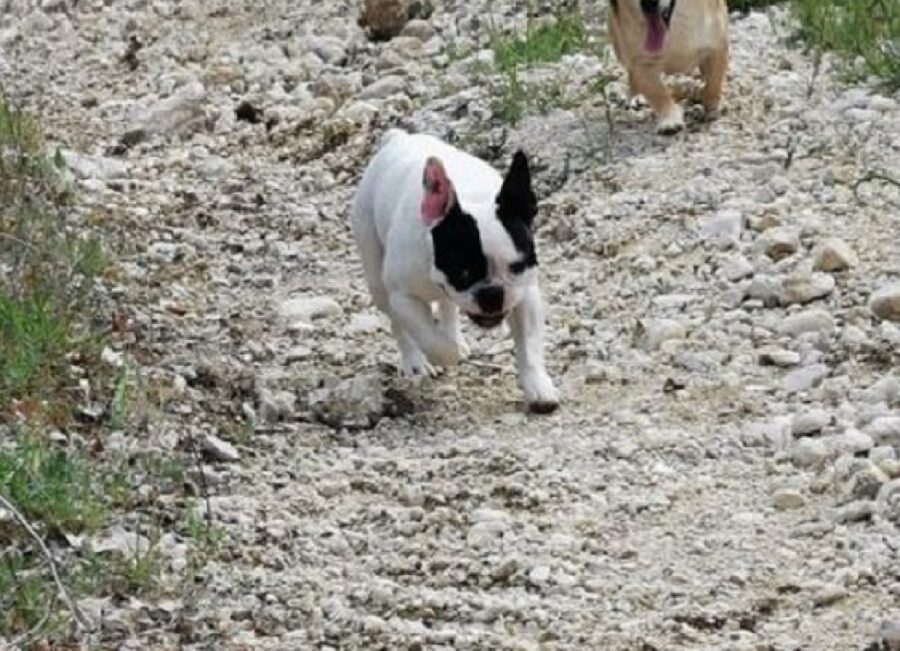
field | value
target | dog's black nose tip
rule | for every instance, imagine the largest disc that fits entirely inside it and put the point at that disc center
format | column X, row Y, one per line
column 650, row 6
column 490, row 299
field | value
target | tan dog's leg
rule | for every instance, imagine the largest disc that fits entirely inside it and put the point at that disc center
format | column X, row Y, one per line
column 670, row 117
column 713, row 70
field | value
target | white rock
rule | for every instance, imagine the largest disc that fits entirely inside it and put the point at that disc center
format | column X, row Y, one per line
column 787, row 498
column 384, row 87
column 354, row 403
column 829, row 594
column 766, row 288
column 885, row 430
column 723, row 228
column 855, row 511
column 809, row 452
column 658, row 331
column 805, row 378
column 736, row 268
column 333, row 487
column 810, row 422
column 885, row 303
column 778, row 357
column 328, row 48
column 183, row 112
column 814, row 320
column 486, row 534
column 539, row 575
column 801, row 288
column 855, row 442
column 834, row 254
column 220, row 450
column 886, row 390
column 308, row 308
column 120, row 540
column 94, row 167
column 420, row 29
column 780, row 242
column 111, row 357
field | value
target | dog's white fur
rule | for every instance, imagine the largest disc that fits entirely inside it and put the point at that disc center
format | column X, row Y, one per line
column 398, row 260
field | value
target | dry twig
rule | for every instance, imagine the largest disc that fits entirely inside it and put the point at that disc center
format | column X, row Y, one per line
column 63, row 591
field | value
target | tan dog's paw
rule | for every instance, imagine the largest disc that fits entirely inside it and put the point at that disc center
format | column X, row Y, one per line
column 672, row 122
column 711, row 112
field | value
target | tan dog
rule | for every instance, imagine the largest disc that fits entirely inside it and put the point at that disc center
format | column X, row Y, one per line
column 656, row 37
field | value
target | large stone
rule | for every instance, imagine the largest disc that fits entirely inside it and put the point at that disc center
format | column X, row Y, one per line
column 384, row 87
column 810, row 422
column 787, row 499
column 780, row 242
column 885, row 303
column 658, row 331
column 801, row 288
column 356, row 403
column 385, row 19
column 885, row 430
column 724, row 228
column 834, row 254
column 306, row 309
column 181, row 113
column 805, row 378
column 220, row 450
column 778, row 357
column 94, row 167
column 809, row 453
column 807, row 321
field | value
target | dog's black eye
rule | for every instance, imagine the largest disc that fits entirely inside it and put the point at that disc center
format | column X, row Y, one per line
column 518, row 267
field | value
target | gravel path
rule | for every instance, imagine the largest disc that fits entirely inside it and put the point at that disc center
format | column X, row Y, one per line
column 723, row 471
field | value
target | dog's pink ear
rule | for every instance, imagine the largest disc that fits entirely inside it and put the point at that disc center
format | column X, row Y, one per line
column 439, row 194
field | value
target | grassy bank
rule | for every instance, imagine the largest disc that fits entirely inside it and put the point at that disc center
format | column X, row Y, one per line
column 60, row 490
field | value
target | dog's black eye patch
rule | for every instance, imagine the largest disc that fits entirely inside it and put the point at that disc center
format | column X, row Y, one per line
column 457, row 249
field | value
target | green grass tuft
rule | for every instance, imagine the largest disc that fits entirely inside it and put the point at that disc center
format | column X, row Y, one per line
column 867, row 32
column 46, row 275
column 547, row 43
column 51, row 485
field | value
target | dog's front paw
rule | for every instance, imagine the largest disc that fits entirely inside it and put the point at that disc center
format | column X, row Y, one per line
column 540, row 394
column 671, row 122
column 414, row 365
column 444, row 353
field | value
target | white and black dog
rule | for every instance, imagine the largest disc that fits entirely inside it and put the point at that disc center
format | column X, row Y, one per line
column 436, row 225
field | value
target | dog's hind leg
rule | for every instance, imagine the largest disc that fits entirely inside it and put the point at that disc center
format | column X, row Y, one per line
column 713, row 70
column 670, row 116
column 371, row 253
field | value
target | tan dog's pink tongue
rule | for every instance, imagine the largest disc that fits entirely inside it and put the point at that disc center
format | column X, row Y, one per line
column 656, row 33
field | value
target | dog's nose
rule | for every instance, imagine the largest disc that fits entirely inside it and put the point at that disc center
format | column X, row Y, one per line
column 650, row 6
column 490, row 299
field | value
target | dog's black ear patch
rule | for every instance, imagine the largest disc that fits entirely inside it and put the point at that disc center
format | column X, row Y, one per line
column 516, row 200
column 457, row 249
column 516, row 209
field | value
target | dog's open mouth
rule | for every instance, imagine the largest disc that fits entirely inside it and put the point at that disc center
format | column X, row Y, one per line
column 487, row 321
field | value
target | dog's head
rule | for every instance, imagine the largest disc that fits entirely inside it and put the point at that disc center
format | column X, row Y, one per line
column 658, row 15
column 484, row 255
